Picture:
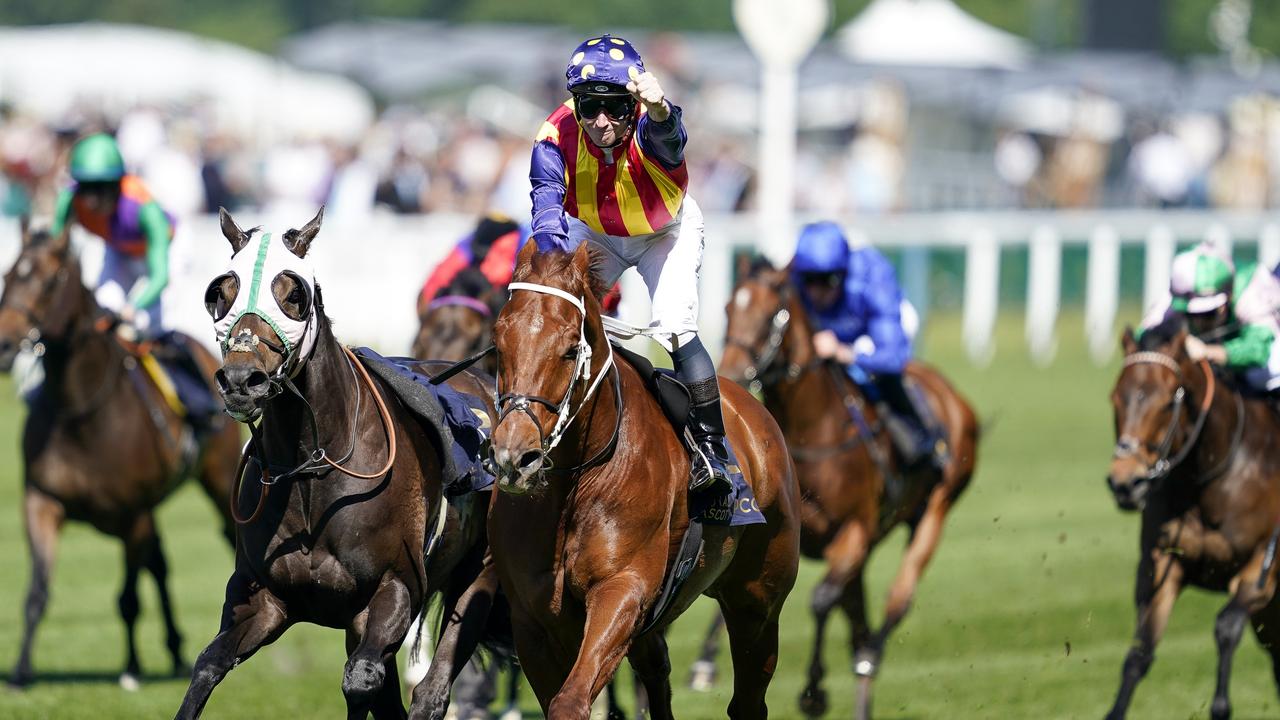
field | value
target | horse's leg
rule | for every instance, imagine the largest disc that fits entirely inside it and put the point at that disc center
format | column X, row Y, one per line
column 1159, row 583
column 702, row 676
column 466, row 610
column 137, row 549
column 652, row 665
column 158, row 566
column 387, row 619
column 542, row 665
column 845, row 558
column 925, row 535
column 1266, row 626
column 251, row 618
column 613, row 610
column 43, row 516
column 753, row 644
column 1247, row 599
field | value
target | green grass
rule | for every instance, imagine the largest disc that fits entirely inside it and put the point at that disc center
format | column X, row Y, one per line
column 1034, row 558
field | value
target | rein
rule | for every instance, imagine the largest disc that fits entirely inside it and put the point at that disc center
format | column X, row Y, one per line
column 1164, row 464
column 762, row 372
column 319, row 458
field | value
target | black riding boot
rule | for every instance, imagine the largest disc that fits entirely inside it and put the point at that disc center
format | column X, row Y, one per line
column 915, row 442
column 709, row 469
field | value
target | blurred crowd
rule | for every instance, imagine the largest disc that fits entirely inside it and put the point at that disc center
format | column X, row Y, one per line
column 440, row 155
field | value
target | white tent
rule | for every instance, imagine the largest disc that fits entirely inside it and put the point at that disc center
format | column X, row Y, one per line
column 928, row 32
column 52, row 70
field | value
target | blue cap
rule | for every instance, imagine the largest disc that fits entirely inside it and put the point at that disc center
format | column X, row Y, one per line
column 603, row 65
column 821, row 248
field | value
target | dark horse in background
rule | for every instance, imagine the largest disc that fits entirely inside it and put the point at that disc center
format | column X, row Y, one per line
column 1197, row 458
column 100, row 444
column 847, row 470
column 458, row 322
column 347, row 523
column 593, row 506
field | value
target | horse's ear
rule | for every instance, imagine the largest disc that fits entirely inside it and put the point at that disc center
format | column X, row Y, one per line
column 62, row 241
column 299, row 241
column 1128, row 342
column 232, row 232
column 582, row 262
column 525, row 257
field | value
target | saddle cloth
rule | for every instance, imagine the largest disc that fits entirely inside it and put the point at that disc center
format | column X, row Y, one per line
column 460, row 422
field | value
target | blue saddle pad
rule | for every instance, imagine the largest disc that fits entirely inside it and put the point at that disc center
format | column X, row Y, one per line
column 466, row 415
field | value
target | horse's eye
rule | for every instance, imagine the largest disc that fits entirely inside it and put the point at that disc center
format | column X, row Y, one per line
column 221, row 294
column 571, row 353
column 296, row 303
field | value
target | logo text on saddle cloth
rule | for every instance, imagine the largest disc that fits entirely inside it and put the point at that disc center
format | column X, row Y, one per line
column 736, row 508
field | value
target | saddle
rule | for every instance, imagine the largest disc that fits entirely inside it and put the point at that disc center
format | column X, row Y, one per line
column 457, row 422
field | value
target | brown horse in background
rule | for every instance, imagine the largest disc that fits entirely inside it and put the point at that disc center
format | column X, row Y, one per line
column 343, row 522
column 847, row 504
column 1197, row 458
column 458, row 322
column 591, row 510
column 94, row 448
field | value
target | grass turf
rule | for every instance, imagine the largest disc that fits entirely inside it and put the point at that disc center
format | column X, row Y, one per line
column 1025, row 611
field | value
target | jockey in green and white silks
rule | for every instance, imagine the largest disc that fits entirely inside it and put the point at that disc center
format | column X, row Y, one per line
column 256, row 269
column 1233, row 313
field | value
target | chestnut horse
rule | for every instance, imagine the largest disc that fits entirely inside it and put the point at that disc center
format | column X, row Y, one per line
column 458, row 323
column 94, row 448
column 343, row 522
column 593, row 505
column 845, row 469
column 1197, row 459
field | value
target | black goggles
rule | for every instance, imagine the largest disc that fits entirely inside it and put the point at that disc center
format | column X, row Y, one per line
column 618, row 107
column 822, row 279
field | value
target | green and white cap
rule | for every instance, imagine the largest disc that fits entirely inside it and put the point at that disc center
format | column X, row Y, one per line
column 1201, row 279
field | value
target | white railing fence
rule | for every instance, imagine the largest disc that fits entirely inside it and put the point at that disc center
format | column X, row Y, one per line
column 371, row 271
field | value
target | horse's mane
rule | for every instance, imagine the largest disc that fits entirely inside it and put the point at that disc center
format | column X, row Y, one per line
column 469, row 282
column 559, row 264
column 759, row 266
column 1157, row 337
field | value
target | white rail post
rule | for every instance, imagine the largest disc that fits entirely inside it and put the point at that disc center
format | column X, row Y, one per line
column 1159, row 263
column 1044, row 298
column 1269, row 246
column 981, row 295
column 1102, row 292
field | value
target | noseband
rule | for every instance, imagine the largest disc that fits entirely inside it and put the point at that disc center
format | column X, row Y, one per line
column 1165, row 464
column 563, row 410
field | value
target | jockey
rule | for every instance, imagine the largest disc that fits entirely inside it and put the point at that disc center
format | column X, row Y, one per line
column 608, row 168
column 491, row 248
column 116, row 207
column 1232, row 313
column 853, row 295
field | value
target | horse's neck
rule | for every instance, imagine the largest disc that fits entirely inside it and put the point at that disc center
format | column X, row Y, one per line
column 816, row 387
column 78, row 364
column 1226, row 415
column 326, row 385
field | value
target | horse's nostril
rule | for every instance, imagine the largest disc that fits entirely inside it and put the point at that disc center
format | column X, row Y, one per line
column 257, row 380
column 530, row 459
column 220, row 377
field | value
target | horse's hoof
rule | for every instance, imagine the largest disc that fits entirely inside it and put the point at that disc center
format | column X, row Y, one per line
column 512, row 713
column 1220, row 709
column 702, row 676
column 19, row 681
column 129, row 682
column 813, row 702
column 866, row 663
column 363, row 678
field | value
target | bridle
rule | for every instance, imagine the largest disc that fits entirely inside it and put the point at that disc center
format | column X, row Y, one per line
column 463, row 301
column 762, row 371
column 1164, row 464
column 563, row 410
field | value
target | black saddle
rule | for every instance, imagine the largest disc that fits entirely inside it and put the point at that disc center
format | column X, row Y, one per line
column 672, row 395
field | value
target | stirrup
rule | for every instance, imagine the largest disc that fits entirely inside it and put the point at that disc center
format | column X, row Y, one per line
column 706, row 473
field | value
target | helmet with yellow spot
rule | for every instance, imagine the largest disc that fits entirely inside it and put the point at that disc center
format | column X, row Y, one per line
column 603, row 66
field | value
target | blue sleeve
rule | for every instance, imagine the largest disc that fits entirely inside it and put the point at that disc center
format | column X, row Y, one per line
column 547, row 175
column 884, row 321
column 664, row 140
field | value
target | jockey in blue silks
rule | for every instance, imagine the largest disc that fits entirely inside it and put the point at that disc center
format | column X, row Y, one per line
column 854, row 298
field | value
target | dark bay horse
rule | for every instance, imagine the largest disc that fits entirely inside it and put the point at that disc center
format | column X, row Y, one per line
column 343, row 521
column 847, row 502
column 95, row 449
column 1197, row 459
column 458, row 322
column 593, row 505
